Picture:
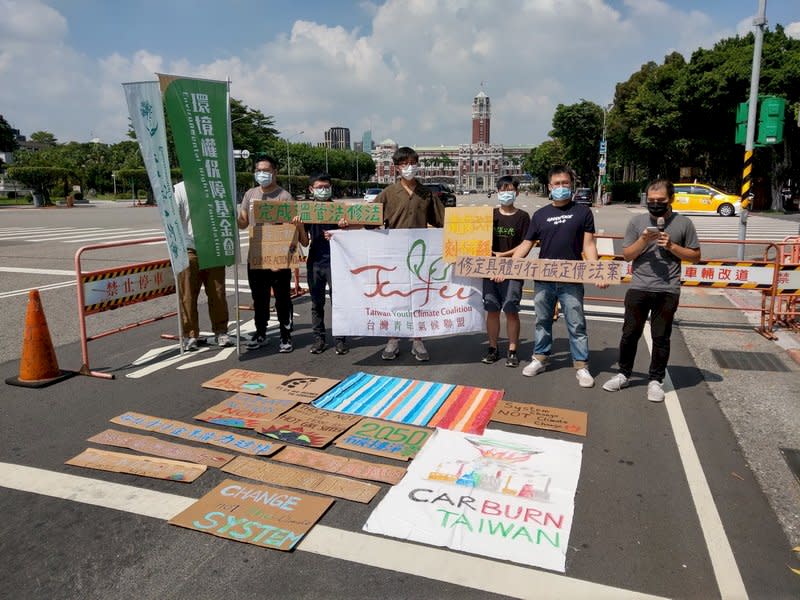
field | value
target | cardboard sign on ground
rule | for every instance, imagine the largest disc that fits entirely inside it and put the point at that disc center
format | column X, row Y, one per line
column 145, row 466
column 341, row 465
column 299, row 387
column 245, row 411
column 541, row 417
column 242, row 380
column 195, row 433
column 254, row 514
column 151, row 445
column 308, row 426
column 382, row 438
column 302, row 479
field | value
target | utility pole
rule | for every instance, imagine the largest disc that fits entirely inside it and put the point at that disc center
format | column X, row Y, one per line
column 601, row 165
column 760, row 21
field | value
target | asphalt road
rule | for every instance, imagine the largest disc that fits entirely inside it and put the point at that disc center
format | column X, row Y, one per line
column 667, row 502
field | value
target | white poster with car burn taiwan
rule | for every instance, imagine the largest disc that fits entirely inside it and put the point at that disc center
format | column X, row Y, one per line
column 499, row 494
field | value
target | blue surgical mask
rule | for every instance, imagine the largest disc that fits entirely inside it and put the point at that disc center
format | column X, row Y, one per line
column 561, row 193
column 507, row 197
column 321, row 193
column 263, row 178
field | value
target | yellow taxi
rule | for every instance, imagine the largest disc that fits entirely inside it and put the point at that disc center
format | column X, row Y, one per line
column 702, row 198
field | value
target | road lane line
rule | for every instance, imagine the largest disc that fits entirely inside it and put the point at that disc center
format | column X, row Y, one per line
column 162, row 364
column 30, row 271
column 726, row 571
column 384, row 553
column 41, row 288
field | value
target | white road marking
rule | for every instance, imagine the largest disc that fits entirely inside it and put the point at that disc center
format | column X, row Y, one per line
column 163, row 364
column 726, row 571
column 383, row 553
column 41, row 288
column 29, row 271
column 223, row 354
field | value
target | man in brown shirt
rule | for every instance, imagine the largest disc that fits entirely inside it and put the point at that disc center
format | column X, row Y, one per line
column 407, row 204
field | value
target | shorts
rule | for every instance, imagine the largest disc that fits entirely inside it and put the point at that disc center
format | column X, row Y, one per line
column 505, row 295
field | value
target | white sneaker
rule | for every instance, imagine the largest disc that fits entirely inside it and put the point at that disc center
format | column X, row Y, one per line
column 222, row 340
column 655, row 391
column 190, row 344
column 584, row 378
column 536, row 366
column 419, row 351
column 616, row 383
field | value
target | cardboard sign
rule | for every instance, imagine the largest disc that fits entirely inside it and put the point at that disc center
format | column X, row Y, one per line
column 308, row 426
column 254, row 514
column 151, row 445
column 145, row 466
column 298, row 387
column 574, row 271
column 282, row 211
column 302, row 479
column 274, row 247
column 245, row 411
column 381, row 438
column 360, row 469
column 195, row 433
column 241, row 380
column 541, row 417
column 467, row 232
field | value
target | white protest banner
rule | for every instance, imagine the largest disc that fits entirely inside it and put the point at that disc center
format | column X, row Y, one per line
column 499, row 494
column 147, row 119
column 394, row 283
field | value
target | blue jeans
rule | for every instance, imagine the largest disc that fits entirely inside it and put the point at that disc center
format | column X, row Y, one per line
column 570, row 295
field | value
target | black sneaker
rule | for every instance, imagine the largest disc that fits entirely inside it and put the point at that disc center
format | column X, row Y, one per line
column 341, row 346
column 492, row 356
column 286, row 345
column 318, row 347
column 511, row 359
column 256, row 341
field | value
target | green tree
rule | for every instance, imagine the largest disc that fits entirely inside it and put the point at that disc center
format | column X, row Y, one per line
column 40, row 179
column 541, row 158
column 43, row 137
column 8, row 141
column 579, row 128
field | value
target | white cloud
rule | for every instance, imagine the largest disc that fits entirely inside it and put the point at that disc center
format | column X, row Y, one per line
column 793, row 30
column 411, row 76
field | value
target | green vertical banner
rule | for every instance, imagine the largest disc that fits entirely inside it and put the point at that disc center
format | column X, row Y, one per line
column 197, row 110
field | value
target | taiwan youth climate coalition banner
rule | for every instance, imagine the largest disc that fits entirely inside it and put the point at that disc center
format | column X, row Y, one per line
column 394, row 283
column 499, row 494
column 198, row 113
column 146, row 109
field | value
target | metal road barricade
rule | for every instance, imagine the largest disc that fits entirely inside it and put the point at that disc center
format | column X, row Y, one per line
column 788, row 305
column 115, row 287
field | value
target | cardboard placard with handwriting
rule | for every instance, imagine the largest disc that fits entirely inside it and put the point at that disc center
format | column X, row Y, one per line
column 384, row 438
column 308, row 426
column 302, row 479
column 254, row 514
column 341, row 465
column 242, row 380
column 541, row 417
column 151, row 445
column 541, row 269
column 309, row 211
column 467, row 232
column 299, row 387
column 133, row 464
column 245, row 411
column 274, row 247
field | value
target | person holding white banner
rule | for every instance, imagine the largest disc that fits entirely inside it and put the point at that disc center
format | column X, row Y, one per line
column 407, row 204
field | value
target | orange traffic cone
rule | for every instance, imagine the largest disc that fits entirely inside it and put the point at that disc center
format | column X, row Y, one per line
column 38, row 365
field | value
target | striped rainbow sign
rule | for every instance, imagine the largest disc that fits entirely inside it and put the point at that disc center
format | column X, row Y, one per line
column 414, row 402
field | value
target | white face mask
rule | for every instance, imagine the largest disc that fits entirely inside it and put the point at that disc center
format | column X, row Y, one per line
column 507, row 197
column 321, row 193
column 263, row 178
column 409, row 172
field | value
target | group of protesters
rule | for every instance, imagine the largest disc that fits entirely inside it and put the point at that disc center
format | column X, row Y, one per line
column 655, row 242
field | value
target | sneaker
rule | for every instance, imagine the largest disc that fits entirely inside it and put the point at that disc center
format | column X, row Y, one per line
column 419, row 351
column 655, row 391
column 222, row 340
column 341, row 346
column 285, row 346
column 257, row 340
column 318, row 347
column 512, row 360
column 616, row 383
column 492, row 356
column 536, row 366
column 584, row 378
column 190, row 344
column 391, row 350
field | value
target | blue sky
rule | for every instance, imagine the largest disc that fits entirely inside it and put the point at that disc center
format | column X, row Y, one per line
column 407, row 68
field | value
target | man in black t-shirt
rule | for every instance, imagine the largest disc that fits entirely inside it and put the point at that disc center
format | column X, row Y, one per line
column 509, row 225
column 566, row 232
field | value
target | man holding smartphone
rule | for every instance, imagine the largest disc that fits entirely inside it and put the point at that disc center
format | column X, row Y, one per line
column 656, row 243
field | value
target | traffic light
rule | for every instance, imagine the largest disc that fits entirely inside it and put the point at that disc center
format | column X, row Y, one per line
column 770, row 121
column 741, row 122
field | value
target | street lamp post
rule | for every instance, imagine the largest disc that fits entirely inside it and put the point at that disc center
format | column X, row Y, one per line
column 327, row 145
column 601, row 165
column 288, row 167
column 114, row 179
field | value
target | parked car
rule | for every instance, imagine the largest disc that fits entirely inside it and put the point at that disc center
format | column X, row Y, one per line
column 371, row 193
column 583, row 196
column 443, row 193
column 702, row 198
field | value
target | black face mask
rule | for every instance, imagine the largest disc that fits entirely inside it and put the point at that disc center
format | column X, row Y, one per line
column 657, row 209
